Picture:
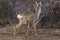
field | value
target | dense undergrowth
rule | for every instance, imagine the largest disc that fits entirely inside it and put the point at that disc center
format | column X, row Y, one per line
column 51, row 20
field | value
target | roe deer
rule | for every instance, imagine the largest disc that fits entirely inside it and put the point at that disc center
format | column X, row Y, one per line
column 29, row 18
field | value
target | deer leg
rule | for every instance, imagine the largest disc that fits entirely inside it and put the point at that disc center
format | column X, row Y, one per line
column 27, row 29
column 34, row 25
column 15, row 29
column 14, row 34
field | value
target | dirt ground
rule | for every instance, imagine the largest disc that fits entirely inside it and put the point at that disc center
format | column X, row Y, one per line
column 43, row 34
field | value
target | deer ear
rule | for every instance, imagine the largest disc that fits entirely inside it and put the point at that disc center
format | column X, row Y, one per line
column 39, row 2
column 36, row 3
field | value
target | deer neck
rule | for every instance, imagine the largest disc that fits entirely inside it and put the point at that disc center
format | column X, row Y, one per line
column 38, row 13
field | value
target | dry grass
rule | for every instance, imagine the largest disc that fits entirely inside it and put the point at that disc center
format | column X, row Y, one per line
column 43, row 34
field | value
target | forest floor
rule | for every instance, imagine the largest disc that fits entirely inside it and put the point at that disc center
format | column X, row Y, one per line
column 43, row 34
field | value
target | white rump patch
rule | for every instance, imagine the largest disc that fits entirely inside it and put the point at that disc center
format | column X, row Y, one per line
column 19, row 16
